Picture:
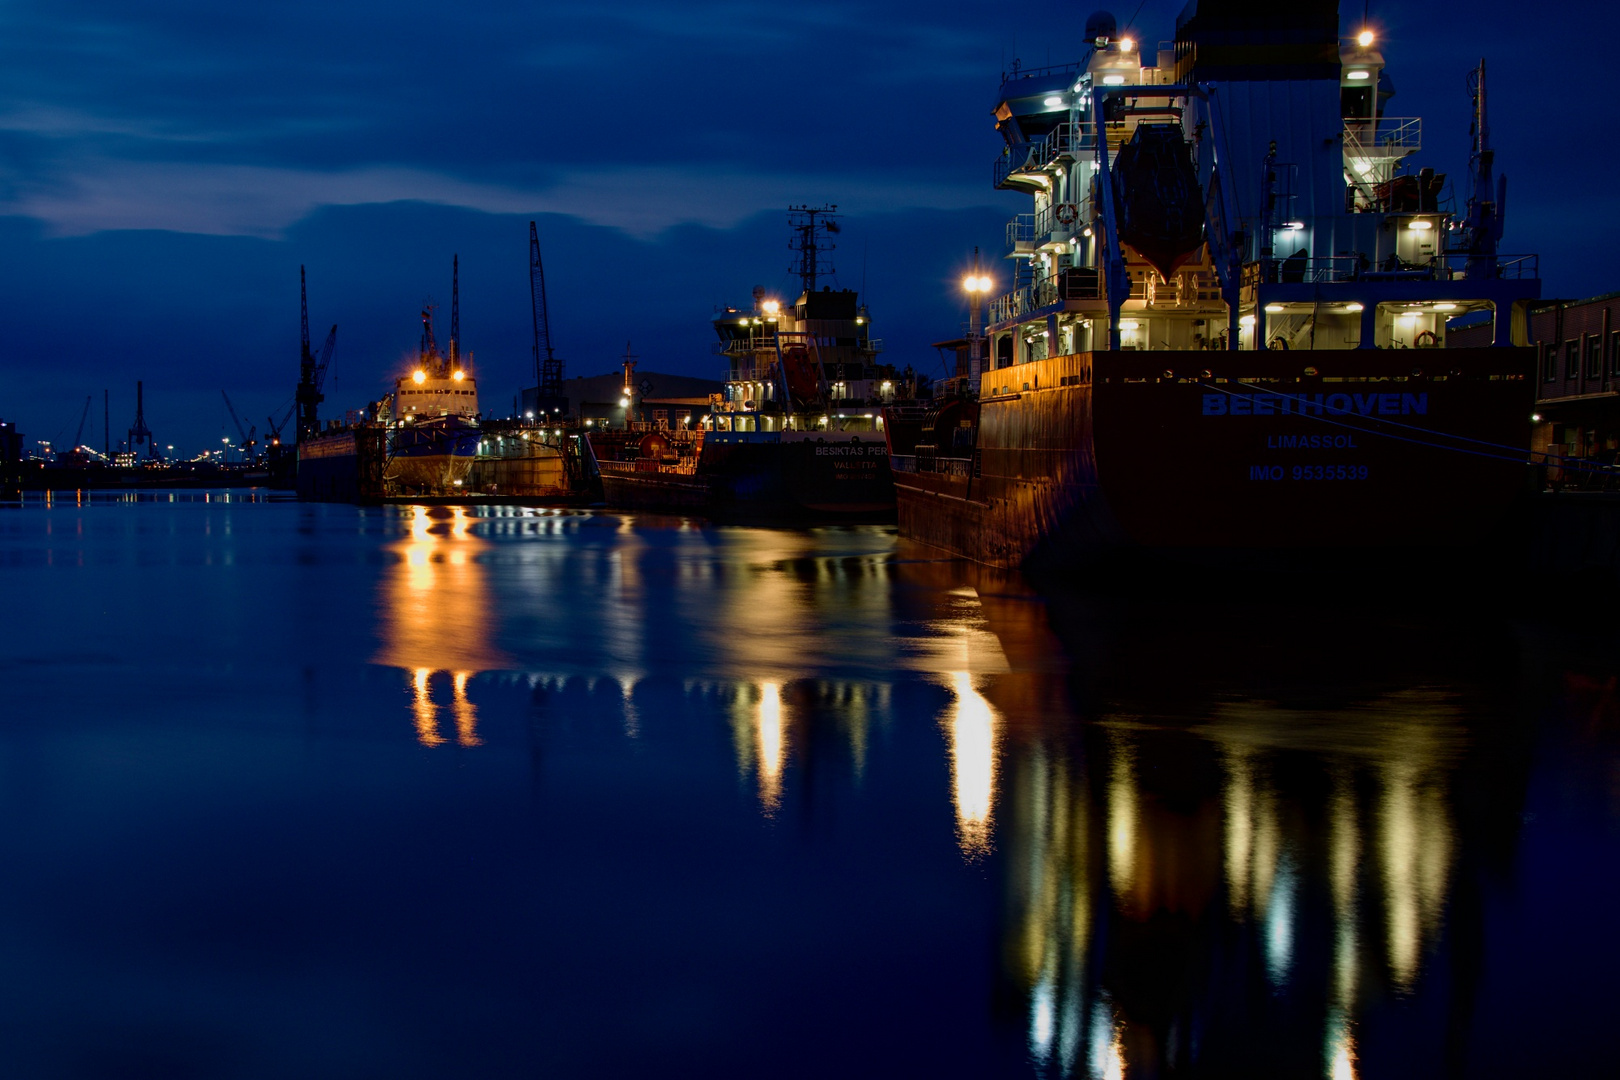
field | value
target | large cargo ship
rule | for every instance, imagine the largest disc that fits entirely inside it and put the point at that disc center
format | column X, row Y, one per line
column 798, row 432
column 1228, row 319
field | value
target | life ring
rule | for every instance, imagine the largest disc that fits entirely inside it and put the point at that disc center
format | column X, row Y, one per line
column 1426, row 340
column 1067, row 213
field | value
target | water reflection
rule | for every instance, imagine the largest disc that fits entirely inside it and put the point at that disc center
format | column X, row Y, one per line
column 435, row 613
column 971, row 730
column 1212, row 848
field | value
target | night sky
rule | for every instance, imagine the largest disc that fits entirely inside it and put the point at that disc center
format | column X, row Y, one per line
column 165, row 168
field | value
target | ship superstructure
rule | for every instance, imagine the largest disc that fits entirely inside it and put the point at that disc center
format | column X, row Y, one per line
column 808, row 365
column 1244, row 186
column 797, row 431
column 432, row 417
column 1229, row 309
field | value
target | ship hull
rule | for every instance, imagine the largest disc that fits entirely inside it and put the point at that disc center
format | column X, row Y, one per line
column 341, row 466
column 1085, row 455
column 432, row 457
column 775, row 475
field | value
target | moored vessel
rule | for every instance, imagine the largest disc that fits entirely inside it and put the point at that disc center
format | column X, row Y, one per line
column 1227, row 326
column 432, row 418
column 797, row 432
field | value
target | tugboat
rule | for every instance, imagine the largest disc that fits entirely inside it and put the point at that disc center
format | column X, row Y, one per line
column 1227, row 330
column 798, row 432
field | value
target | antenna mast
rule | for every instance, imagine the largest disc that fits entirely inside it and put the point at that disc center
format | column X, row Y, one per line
column 455, row 308
column 811, row 225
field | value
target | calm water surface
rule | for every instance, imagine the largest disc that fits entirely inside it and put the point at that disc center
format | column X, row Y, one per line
column 320, row 791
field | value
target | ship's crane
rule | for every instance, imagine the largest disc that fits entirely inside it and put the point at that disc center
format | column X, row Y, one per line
column 78, row 436
column 326, row 359
column 249, row 437
column 548, row 367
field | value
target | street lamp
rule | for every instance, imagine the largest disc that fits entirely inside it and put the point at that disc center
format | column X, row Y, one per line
column 977, row 284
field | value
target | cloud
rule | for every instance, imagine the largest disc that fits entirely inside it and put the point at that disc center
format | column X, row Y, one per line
column 237, row 200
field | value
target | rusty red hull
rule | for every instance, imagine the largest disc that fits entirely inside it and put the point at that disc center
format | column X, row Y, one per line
column 1205, row 452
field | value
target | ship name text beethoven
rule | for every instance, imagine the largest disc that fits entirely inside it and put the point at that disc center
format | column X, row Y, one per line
column 1264, row 404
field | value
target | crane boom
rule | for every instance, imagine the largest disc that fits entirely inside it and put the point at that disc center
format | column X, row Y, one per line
column 234, row 418
column 326, row 359
column 548, row 370
column 78, row 436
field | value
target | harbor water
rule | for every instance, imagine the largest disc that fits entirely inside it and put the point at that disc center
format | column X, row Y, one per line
column 324, row 791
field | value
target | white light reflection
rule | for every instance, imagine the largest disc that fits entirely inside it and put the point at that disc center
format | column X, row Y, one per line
column 1107, row 1045
column 1122, row 821
column 770, row 747
column 972, row 731
column 1280, row 923
column 1416, row 837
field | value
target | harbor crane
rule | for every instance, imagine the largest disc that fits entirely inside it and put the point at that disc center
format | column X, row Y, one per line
column 249, row 437
column 548, row 367
column 272, row 426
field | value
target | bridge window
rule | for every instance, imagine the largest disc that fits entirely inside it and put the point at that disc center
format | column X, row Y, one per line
column 1549, row 361
column 1614, row 353
column 1572, row 359
column 1594, row 356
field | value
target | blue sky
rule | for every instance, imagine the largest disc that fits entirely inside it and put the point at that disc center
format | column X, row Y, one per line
column 165, row 168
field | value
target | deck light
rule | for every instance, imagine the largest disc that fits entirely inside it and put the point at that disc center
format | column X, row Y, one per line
column 1293, row 226
column 458, row 376
column 1353, row 307
column 1113, row 80
column 1273, row 309
column 1054, row 101
column 624, row 403
column 1247, row 320
column 1129, row 324
column 1445, row 307
column 1535, row 418
column 1126, row 44
column 1365, row 38
column 1358, row 75
column 419, row 376
column 1420, row 225
column 1086, row 231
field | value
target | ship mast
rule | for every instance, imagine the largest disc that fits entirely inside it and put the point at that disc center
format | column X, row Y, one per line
column 1482, row 223
column 811, row 225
